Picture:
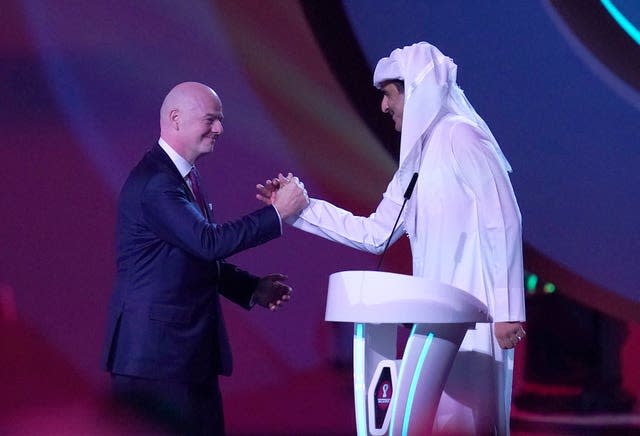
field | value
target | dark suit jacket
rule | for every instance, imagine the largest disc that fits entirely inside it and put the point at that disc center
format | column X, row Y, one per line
column 164, row 320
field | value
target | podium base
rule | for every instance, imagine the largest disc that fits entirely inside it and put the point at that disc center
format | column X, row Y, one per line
column 416, row 389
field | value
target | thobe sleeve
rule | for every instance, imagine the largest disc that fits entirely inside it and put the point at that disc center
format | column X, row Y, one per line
column 363, row 233
column 499, row 218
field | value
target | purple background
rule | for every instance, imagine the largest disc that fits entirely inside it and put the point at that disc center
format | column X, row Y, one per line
column 82, row 83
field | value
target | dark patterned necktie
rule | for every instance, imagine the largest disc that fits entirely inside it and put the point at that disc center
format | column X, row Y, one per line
column 195, row 187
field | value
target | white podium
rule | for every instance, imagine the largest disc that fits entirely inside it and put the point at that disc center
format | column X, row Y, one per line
column 400, row 397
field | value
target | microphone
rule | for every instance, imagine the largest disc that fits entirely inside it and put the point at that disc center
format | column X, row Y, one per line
column 407, row 196
column 409, row 191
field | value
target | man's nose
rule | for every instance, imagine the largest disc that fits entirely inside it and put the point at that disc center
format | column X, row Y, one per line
column 384, row 105
column 217, row 127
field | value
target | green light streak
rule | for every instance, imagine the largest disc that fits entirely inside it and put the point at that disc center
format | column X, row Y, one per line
column 532, row 282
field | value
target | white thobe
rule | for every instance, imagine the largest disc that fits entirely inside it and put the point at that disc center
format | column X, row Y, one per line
column 465, row 230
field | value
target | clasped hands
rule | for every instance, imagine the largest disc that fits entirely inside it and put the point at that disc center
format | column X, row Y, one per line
column 286, row 194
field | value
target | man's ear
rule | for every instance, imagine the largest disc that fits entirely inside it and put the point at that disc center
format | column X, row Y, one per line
column 174, row 116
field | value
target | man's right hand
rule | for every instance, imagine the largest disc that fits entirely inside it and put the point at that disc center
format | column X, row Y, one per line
column 286, row 194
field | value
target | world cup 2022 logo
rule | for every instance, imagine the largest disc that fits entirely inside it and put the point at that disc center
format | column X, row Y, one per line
column 383, row 395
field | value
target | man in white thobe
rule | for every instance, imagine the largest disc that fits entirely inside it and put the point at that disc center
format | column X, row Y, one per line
column 463, row 222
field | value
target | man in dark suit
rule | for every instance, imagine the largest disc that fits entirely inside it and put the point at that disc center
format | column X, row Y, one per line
column 166, row 341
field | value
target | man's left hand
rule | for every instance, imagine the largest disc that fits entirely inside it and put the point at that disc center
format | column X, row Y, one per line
column 271, row 292
column 509, row 334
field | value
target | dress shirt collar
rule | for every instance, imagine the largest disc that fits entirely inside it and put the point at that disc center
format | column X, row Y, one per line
column 181, row 163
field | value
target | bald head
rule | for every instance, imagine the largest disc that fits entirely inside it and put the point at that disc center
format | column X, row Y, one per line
column 191, row 119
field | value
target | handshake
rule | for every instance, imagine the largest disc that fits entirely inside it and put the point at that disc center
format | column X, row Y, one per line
column 286, row 194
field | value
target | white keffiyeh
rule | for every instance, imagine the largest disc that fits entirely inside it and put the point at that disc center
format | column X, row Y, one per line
column 430, row 84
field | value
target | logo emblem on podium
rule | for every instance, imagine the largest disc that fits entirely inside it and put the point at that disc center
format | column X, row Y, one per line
column 382, row 396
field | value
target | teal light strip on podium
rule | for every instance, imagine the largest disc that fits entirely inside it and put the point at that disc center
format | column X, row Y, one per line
column 412, row 388
column 358, row 376
column 414, row 382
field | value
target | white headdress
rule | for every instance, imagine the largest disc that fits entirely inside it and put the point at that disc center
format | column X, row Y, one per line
column 429, row 84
